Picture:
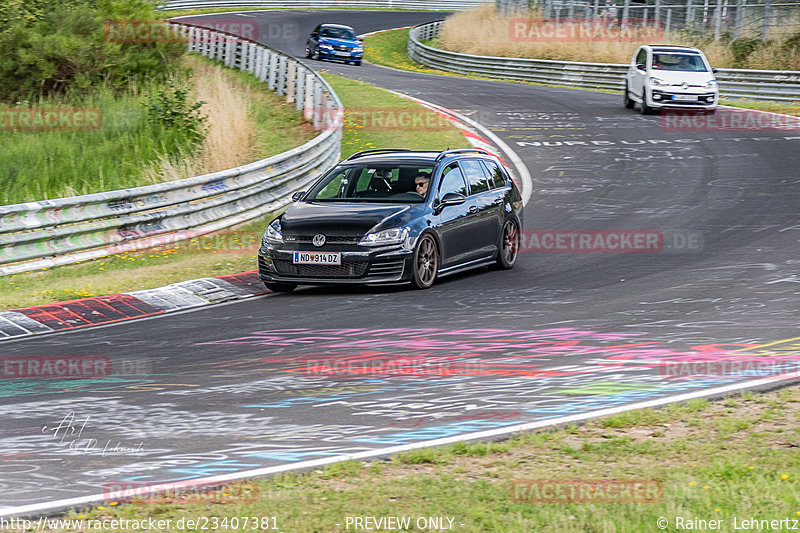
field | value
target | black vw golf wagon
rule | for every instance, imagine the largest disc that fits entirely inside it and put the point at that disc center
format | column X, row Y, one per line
column 395, row 216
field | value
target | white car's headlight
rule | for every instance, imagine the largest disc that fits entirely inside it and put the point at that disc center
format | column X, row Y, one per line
column 711, row 84
column 657, row 82
column 387, row 236
column 273, row 233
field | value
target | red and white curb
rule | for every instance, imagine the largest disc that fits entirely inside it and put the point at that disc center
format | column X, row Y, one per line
column 102, row 310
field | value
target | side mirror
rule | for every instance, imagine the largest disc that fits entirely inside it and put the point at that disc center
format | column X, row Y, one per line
column 296, row 196
column 713, row 70
column 641, row 67
column 451, row 198
column 361, row 39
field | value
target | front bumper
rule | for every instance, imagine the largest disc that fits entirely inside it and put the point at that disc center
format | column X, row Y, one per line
column 664, row 99
column 383, row 265
column 341, row 55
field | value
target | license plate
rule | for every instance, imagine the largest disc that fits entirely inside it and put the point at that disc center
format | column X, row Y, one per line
column 684, row 97
column 317, row 258
column 343, row 53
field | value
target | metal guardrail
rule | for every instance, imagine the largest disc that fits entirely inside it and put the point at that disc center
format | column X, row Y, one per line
column 50, row 233
column 771, row 85
column 428, row 5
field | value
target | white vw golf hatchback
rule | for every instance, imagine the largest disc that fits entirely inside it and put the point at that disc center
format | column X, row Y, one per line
column 670, row 77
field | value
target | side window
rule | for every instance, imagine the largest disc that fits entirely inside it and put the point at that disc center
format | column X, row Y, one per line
column 316, row 30
column 496, row 176
column 453, row 181
column 641, row 57
column 475, row 175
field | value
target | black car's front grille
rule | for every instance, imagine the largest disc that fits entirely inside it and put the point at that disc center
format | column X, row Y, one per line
column 351, row 269
column 329, row 239
column 386, row 267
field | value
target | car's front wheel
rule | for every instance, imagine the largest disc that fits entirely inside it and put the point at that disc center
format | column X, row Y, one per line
column 315, row 53
column 281, row 287
column 627, row 100
column 426, row 263
column 644, row 108
column 509, row 245
column 308, row 52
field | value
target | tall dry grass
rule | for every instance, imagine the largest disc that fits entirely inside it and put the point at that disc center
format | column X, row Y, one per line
column 484, row 32
column 231, row 138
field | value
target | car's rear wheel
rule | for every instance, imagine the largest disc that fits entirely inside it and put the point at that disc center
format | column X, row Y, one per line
column 426, row 263
column 509, row 244
column 281, row 287
column 628, row 101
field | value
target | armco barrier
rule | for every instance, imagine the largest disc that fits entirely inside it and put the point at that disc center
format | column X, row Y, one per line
column 428, row 5
column 772, row 85
column 57, row 232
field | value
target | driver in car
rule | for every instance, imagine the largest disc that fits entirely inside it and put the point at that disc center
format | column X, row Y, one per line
column 421, row 182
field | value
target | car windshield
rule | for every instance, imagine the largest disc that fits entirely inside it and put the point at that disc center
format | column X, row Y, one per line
column 682, row 62
column 338, row 33
column 373, row 183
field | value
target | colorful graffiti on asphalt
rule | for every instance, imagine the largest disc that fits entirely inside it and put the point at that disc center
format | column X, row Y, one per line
column 300, row 394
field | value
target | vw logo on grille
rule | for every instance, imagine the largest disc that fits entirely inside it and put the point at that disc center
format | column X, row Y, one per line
column 318, row 240
column 685, row 86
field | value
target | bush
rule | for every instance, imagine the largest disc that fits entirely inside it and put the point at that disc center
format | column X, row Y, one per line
column 171, row 108
column 56, row 46
column 742, row 49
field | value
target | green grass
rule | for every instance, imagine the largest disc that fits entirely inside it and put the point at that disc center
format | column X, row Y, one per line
column 235, row 250
column 705, row 473
column 389, row 49
column 376, row 132
column 40, row 165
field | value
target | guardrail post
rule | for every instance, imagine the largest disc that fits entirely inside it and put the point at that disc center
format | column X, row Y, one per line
column 626, row 13
column 718, row 20
column 689, row 13
column 300, row 88
column 317, row 106
column 207, row 44
column 669, row 20
column 281, row 88
column 657, row 15
column 264, row 72
column 291, row 82
column 308, row 112
column 273, row 71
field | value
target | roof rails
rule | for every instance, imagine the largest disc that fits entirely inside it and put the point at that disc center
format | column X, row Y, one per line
column 459, row 151
column 362, row 153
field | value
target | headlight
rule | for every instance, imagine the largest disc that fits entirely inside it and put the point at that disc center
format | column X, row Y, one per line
column 711, row 84
column 387, row 236
column 326, row 47
column 657, row 82
column 358, row 49
column 273, row 233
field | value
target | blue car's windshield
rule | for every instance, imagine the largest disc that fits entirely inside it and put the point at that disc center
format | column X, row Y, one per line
column 373, row 183
column 338, row 33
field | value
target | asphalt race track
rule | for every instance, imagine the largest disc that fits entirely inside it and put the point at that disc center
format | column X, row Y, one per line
column 278, row 381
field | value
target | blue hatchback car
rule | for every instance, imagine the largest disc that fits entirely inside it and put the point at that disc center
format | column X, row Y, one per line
column 335, row 41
